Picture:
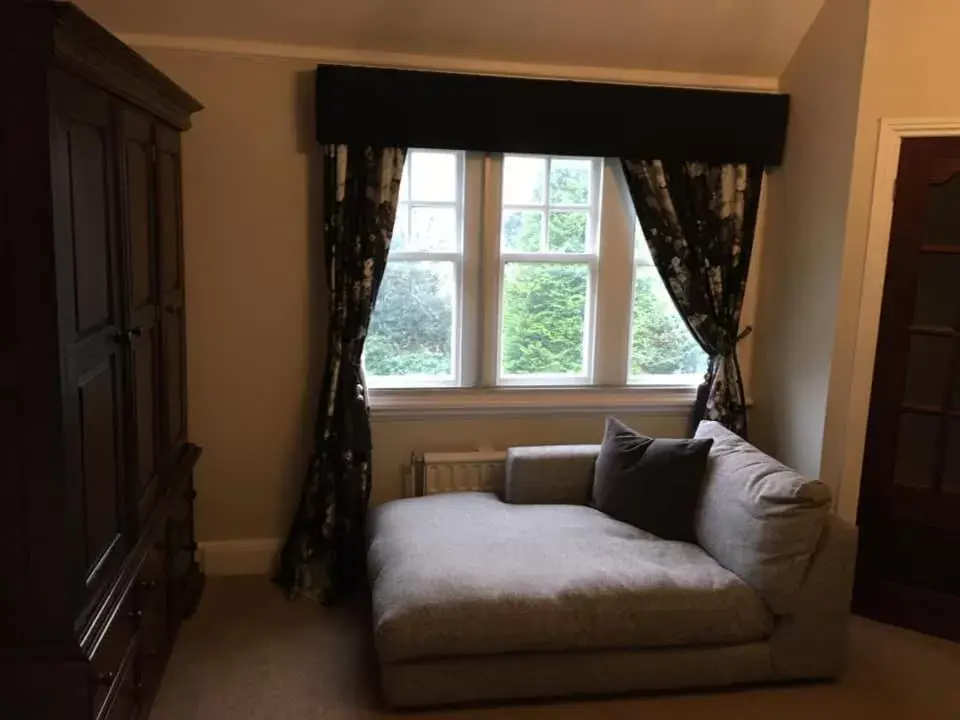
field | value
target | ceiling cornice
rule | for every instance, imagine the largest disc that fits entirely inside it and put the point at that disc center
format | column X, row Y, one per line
column 442, row 63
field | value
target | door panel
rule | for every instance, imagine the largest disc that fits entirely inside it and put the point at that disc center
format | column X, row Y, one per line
column 910, row 490
column 137, row 156
column 937, row 290
column 170, row 224
column 143, row 306
column 99, row 400
column 87, row 148
column 144, row 353
column 942, row 225
column 928, row 368
column 174, row 390
column 168, row 215
column 88, row 269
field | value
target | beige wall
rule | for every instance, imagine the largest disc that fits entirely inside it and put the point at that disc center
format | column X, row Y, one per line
column 255, row 345
column 806, row 216
column 911, row 70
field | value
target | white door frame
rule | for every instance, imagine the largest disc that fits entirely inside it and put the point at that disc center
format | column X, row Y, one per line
column 892, row 133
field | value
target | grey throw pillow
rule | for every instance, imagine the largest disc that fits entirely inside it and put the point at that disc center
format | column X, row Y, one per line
column 652, row 483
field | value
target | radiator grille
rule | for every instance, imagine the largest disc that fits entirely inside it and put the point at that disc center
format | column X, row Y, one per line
column 478, row 471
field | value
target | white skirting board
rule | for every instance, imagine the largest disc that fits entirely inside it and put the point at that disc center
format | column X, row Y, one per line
column 257, row 556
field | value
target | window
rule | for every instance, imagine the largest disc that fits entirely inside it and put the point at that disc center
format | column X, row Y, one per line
column 521, row 270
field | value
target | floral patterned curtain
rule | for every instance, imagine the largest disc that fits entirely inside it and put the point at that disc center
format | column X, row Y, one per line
column 699, row 221
column 324, row 553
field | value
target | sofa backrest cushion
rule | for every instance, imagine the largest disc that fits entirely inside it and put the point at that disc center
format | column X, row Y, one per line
column 758, row 518
column 550, row 474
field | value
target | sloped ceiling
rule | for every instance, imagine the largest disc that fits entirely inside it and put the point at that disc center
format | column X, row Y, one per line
column 733, row 37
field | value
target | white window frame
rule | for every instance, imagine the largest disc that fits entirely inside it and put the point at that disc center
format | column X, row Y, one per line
column 476, row 384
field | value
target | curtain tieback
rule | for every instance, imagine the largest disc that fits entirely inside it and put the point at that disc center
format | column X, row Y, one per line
column 726, row 349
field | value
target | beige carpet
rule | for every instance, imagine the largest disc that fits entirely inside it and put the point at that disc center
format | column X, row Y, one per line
column 249, row 654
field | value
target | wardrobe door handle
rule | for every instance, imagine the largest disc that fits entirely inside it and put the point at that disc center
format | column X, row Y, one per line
column 134, row 332
column 105, row 678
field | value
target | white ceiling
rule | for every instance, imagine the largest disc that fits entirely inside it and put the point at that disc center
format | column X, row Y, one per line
column 728, row 37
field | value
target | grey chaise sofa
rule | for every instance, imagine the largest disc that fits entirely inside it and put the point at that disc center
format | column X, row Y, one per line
column 537, row 594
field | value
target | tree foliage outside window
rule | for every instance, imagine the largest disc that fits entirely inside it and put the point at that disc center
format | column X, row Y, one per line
column 411, row 332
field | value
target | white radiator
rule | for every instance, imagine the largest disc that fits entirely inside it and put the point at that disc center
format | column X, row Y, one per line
column 476, row 471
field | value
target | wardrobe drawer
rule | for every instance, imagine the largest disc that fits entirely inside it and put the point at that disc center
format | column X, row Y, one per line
column 122, row 700
column 153, row 637
column 110, row 650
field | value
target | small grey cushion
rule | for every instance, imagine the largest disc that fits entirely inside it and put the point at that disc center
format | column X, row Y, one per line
column 464, row 573
column 758, row 517
column 651, row 483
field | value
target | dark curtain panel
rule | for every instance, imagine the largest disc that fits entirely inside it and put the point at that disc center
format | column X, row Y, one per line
column 324, row 551
column 699, row 221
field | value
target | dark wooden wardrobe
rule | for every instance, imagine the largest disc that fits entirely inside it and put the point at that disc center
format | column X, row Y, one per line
column 97, row 546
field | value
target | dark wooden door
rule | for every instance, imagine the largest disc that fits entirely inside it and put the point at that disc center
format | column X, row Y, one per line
column 91, row 341
column 173, row 325
column 909, row 515
column 142, row 299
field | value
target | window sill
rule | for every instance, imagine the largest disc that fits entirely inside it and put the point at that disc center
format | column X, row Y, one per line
column 414, row 404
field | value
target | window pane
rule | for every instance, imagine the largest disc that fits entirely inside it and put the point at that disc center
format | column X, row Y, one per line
column 567, row 232
column 522, row 231
column 401, row 228
column 434, row 176
column 405, row 178
column 569, row 181
column 640, row 248
column 544, row 305
column 411, row 333
column 661, row 343
column 433, row 228
column 523, row 180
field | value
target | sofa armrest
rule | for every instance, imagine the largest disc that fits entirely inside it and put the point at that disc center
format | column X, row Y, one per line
column 810, row 641
column 550, row 474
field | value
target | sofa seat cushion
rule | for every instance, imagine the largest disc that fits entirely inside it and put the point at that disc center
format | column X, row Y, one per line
column 464, row 573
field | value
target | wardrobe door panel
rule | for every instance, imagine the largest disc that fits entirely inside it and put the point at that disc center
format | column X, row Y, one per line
column 170, row 230
column 88, row 284
column 137, row 155
column 144, row 347
column 142, row 300
column 99, row 400
column 174, row 390
column 168, row 206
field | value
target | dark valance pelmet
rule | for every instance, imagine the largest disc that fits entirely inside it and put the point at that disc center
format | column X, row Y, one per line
column 412, row 108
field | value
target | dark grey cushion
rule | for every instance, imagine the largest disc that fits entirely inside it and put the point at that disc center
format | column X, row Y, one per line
column 651, row 483
column 465, row 573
